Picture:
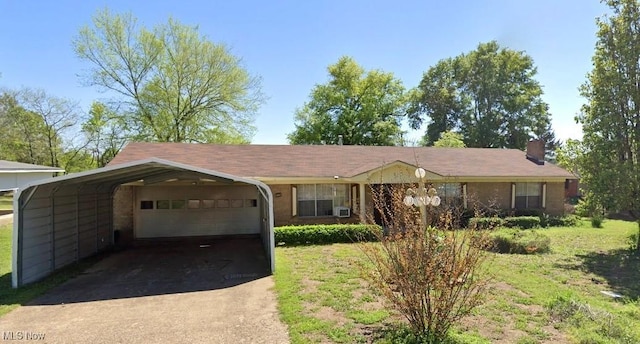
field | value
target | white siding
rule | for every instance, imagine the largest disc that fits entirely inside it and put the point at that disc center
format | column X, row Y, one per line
column 10, row 181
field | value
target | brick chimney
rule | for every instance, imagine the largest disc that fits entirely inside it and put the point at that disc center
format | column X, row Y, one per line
column 535, row 151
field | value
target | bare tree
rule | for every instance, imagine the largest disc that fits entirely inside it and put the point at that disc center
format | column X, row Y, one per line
column 58, row 115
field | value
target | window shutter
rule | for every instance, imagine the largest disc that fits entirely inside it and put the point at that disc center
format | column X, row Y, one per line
column 354, row 198
column 294, row 200
column 464, row 196
column 513, row 195
column 544, row 195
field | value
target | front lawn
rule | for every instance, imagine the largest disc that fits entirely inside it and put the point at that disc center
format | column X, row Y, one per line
column 544, row 298
column 6, row 202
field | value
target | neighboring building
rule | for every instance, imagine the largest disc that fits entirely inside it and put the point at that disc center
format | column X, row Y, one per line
column 14, row 174
column 327, row 184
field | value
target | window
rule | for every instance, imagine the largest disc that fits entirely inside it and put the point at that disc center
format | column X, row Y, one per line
column 163, row 204
column 528, row 195
column 178, row 204
column 449, row 193
column 193, row 204
column 320, row 199
column 251, row 203
column 146, row 204
column 237, row 203
column 208, row 203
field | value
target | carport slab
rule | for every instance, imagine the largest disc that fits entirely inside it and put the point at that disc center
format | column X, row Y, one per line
column 197, row 291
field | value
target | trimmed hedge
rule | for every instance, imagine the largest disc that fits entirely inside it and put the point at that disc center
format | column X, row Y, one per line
column 564, row 221
column 524, row 222
column 519, row 241
column 326, row 234
column 486, row 222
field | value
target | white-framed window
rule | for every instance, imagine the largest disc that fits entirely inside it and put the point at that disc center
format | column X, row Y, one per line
column 449, row 193
column 528, row 195
column 315, row 200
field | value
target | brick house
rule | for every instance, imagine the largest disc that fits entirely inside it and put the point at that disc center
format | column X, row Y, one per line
column 327, row 184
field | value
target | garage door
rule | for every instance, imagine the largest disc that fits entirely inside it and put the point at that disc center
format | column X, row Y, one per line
column 196, row 210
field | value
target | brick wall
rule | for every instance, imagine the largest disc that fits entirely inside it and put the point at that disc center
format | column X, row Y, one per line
column 489, row 195
column 498, row 196
column 555, row 199
column 123, row 213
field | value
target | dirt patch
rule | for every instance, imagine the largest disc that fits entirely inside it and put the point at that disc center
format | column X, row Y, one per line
column 309, row 285
column 330, row 314
column 505, row 287
column 501, row 333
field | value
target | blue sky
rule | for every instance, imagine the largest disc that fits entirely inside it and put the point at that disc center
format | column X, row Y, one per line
column 291, row 43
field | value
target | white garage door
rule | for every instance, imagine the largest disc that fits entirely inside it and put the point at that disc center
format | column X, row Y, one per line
column 174, row 211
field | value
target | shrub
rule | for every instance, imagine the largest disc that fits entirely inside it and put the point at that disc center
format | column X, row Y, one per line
column 431, row 276
column 520, row 242
column 325, row 234
column 596, row 221
column 587, row 206
column 485, row 222
column 524, row 222
column 564, row 221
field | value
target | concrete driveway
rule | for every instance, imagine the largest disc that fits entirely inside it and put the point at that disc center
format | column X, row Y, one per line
column 215, row 291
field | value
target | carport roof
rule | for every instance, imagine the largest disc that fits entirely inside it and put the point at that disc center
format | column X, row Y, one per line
column 110, row 176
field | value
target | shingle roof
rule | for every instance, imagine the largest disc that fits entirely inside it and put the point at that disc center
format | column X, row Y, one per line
column 345, row 161
column 10, row 166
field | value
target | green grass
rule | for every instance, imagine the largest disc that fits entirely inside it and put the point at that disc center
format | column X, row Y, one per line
column 323, row 298
column 12, row 298
column 6, row 202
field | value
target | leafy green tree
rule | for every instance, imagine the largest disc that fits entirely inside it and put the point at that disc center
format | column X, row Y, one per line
column 569, row 155
column 364, row 108
column 23, row 136
column 173, row 84
column 450, row 139
column 106, row 133
column 610, row 118
column 39, row 123
column 489, row 95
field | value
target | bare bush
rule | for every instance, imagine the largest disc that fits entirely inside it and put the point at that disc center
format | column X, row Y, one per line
column 432, row 276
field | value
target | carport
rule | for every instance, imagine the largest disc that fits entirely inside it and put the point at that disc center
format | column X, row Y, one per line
column 59, row 221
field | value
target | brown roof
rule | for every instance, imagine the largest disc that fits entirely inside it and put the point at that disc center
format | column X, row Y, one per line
column 344, row 161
